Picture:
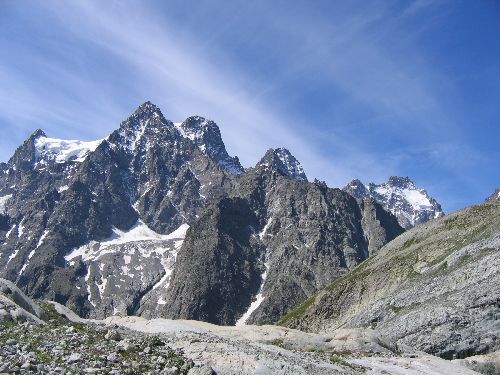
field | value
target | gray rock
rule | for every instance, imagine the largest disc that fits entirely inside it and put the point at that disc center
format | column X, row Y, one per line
column 113, row 335
column 27, row 366
column 203, row 370
column 113, row 357
column 5, row 315
column 126, row 346
column 435, row 288
column 74, row 357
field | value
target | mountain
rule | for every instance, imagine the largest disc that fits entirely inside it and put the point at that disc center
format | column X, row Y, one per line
column 158, row 220
column 282, row 160
column 59, row 196
column 435, row 288
column 206, row 135
column 268, row 246
column 399, row 195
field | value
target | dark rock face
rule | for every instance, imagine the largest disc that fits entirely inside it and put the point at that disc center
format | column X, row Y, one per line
column 100, row 226
column 282, row 237
column 400, row 196
column 226, row 258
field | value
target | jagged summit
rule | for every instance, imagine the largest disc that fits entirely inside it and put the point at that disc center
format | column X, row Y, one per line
column 357, row 189
column 146, row 114
column 206, row 135
column 37, row 134
column 400, row 196
column 147, row 108
column 25, row 155
column 284, row 162
column 402, row 182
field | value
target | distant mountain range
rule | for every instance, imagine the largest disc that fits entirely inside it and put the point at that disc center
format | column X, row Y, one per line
column 158, row 220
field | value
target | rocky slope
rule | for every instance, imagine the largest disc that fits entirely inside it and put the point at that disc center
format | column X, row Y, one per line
column 435, row 288
column 65, row 343
column 272, row 243
column 35, row 338
column 399, row 195
column 99, row 226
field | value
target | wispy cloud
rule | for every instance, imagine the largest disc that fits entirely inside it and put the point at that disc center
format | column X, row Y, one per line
column 345, row 89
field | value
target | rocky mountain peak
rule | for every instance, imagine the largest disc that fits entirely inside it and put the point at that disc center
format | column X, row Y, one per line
column 131, row 131
column 205, row 133
column 357, row 189
column 399, row 195
column 147, row 109
column 401, row 182
column 37, row 134
column 25, row 155
column 145, row 113
column 207, row 137
column 282, row 160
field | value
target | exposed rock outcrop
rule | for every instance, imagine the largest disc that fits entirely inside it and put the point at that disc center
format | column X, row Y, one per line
column 435, row 288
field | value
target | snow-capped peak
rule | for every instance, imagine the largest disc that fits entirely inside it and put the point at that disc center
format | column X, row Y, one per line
column 62, row 151
column 285, row 162
column 399, row 195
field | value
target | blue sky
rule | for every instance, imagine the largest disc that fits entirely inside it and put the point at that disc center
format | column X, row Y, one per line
column 355, row 89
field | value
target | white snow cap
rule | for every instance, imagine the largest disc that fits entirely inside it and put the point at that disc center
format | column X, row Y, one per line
column 62, row 150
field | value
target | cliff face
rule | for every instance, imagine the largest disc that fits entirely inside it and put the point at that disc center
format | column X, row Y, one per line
column 435, row 288
column 269, row 246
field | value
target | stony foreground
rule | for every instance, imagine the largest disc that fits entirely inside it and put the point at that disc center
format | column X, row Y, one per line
column 61, row 347
column 50, row 339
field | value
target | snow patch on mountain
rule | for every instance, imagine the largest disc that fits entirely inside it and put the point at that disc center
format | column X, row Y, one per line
column 139, row 232
column 140, row 257
column 20, row 230
column 13, row 255
column 40, row 241
column 30, row 255
column 3, row 202
column 62, row 151
column 259, row 298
